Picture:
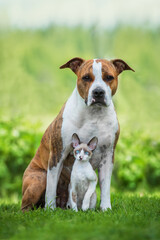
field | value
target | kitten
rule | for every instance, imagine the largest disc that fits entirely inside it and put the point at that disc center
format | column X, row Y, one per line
column 82, row 187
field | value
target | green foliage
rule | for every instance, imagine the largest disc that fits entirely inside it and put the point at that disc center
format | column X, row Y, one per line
column 132, row 217
column 137, row 161
column 137, row 158
column 18, row 143
column 30, row 61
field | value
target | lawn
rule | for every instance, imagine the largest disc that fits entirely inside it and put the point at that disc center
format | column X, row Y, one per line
column 133, row 216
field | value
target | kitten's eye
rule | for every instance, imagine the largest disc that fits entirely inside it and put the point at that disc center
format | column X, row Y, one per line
column 108, row 78
column 77, row 151
column 87, row 78
column 87, row 153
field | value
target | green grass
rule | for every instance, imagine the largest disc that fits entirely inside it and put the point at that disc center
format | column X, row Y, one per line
column 133, row 216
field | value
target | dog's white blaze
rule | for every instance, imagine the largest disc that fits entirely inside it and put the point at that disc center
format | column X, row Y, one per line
column 97, row 71
column 98, row 82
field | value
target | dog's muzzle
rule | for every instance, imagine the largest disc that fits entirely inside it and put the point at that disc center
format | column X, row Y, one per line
column 98, row 96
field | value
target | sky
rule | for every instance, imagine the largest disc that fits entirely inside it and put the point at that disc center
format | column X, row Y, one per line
column 105, row 13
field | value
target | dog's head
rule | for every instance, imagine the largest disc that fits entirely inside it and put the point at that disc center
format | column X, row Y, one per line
column 97, row 79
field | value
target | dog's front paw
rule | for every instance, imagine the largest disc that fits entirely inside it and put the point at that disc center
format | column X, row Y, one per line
column 85, row 207
column 105, row 207
column 51, row 205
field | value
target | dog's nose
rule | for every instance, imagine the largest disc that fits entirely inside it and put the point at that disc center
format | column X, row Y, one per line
column 98, row 93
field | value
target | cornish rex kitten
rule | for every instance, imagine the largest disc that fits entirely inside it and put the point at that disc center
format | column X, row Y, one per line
column 82, row 188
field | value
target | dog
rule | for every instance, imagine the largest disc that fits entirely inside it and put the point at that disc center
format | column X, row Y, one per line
column 88, row 112
column 82, row 187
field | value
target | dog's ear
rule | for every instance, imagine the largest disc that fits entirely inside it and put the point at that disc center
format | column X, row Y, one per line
column 73, row 64
column 121, row 66
column 93, row 143
column 75, row 140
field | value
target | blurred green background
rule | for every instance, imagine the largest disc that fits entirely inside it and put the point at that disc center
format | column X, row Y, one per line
column 33, row 89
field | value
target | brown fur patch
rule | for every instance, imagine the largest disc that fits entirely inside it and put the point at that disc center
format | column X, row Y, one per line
column 83, row 86
column 49, row 152
column 109, row 69
column 56, row 141
column 34, row 185
column 64, row 180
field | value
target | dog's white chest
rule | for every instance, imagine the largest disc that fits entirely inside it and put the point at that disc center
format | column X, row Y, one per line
column 89, row 122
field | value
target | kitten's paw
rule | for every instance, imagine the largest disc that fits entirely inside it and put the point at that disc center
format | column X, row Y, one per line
column 75, row 209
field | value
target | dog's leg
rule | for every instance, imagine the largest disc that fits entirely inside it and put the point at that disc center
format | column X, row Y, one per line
column 88, row 194
column 34, row 184
column 52, row 181
column 105, row 173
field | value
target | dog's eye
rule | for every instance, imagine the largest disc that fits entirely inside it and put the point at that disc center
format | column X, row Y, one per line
column 87, row 78
column 108, row 78
column 77, row 151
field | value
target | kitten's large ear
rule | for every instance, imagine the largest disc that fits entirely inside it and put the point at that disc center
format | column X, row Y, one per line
column 93, row 143
column 75, row 140
column 73, row 64
column 121, row 66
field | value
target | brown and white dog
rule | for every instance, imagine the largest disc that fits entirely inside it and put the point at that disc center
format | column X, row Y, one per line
column 88, row 112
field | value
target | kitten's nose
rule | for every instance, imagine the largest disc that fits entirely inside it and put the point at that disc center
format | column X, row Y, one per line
column 80, row 157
